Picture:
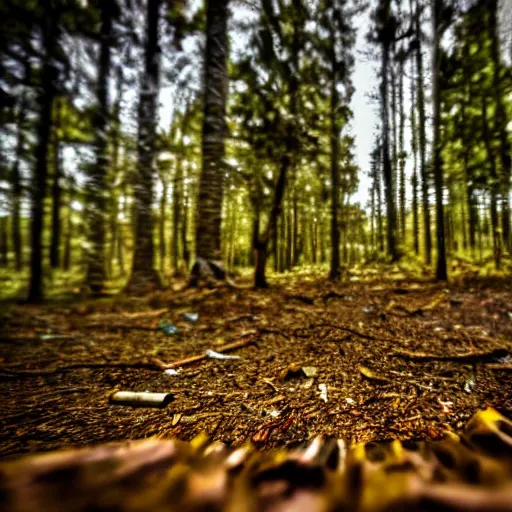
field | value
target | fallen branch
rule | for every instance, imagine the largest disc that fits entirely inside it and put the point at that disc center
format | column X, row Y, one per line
column 146, row 314
column 466, row 357
column 194, row 359
column 438, row 299
column 504, row 367
column 7, row 373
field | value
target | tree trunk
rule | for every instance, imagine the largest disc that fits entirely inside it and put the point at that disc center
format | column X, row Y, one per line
column 178, row 194
column 494, row 186
column 394, row 141
column 43, row 130
column 116, row 171
column 161, row 226
column 69, row 229
column 17, row 189
column 334, row 273
column 56, row 191
column 97, row 186
column 211, row 184
column 260, row 280
column 387, row 167
column 295, row 244
column 500, row 124
column 414, row 151
column 289, row 235
column 401, row 147
column 422, row 138
column 441, row 270
column 4, row 244
column 144, row 277
column 184, row 228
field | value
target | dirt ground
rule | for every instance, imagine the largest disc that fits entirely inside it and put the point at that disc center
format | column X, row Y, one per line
column 370, row 359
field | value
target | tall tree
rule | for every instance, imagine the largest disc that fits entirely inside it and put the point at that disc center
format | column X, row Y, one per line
column 211, row 182
column 386, row 34
column 56, row 188
column 414, row 177
column 422, row 138
column 437, row 30
column 143, row 271
column 97, row 182
column 340, row 61
column 46, row 96
column 17, row 188
column 500, row 123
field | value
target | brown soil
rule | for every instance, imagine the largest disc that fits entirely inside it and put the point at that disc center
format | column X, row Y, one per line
column 399, row 359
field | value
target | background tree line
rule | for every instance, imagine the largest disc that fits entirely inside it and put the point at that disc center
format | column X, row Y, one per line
column 256, row 161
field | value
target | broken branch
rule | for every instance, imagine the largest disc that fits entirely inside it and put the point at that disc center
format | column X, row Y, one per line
column 465, row 357
column 194, row 359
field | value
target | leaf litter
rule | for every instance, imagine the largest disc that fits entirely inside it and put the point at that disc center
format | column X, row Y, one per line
column 325, row 367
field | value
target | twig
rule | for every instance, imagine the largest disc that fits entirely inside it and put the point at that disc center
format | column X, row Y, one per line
column 500, row 367
column 466, row 357
column 146, row 314
column 194, row 359
column 7, row 373
column 347, row 329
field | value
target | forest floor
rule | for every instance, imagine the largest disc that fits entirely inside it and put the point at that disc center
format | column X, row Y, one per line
column 372, row 358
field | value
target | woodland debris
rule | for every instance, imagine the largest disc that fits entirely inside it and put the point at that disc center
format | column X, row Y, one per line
column 8, row 373
column 302, row 298
column 371, row 375
column 201, row 357
column 56, row 337
column 168, row 329
column 436, row 301
column 333, row 295
column 323, row 392
column 500, row 367
column 217, row 355
column 309, row 371
column 172, row 372
column 146, row 314
column 346, row 329
column 470, row 384
column 191, row 317
column 296, row 370
column 239, row 318
column 144, row 399
column 477, row 356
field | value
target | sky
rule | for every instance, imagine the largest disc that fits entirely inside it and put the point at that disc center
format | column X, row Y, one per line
column 365, row 118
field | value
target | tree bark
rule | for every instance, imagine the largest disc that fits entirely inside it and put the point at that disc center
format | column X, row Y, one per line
column 260, row 280
column 441, row 269
column 334, row 273
column 401, row 147
column 44, row 125
column 422, row 139
column 144, row 276
column 4, row 243
column 56, row 191
column 493, row 186
column 161, row 225
column 117, row 179
column 69, row 229
column 97, row 185
column 211, row 184
column 387, row 167
column 17, row 189
column 414, row 151
column 500, row 124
